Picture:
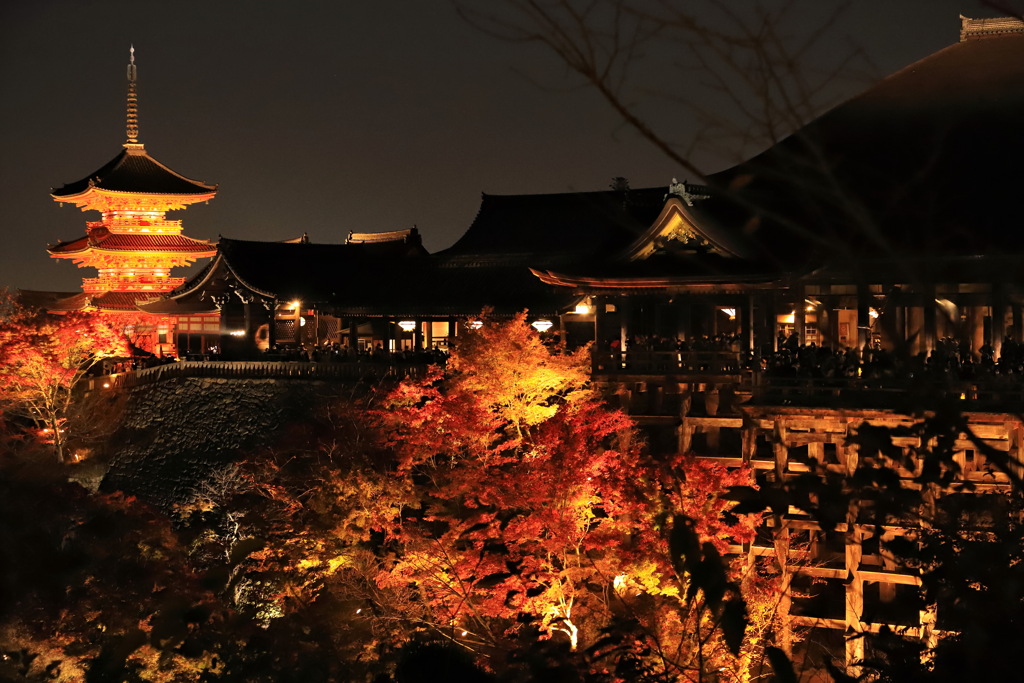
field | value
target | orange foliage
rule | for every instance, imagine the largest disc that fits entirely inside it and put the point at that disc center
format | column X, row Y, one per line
column 530, row 514
column 42, row 359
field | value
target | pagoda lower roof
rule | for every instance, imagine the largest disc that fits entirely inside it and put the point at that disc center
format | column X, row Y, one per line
column 123, row 302
column 50, row 301
column 113, row 241
column 134, row 171
column 61, row 302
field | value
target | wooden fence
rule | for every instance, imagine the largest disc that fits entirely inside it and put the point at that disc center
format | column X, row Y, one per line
column 258, row 370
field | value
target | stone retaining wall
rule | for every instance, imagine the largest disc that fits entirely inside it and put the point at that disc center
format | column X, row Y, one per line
column 175, row 433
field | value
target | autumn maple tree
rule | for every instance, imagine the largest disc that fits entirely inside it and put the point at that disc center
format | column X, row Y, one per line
column 536, row 517
column 496, row 504
column 42, row 359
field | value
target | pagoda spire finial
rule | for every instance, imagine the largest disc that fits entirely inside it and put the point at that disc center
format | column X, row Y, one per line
column 132, row 128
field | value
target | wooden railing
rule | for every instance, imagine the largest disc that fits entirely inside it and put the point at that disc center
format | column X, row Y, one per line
column 723, row 368
column 667, row 362
column 713, row 368
column 996, row 393
column 258, row 370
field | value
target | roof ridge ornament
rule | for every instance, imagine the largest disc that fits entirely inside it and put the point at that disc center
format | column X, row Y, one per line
column 687, row 192
column 132, row 127
column 973, row 28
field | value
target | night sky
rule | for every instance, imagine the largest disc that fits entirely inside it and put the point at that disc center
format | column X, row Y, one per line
column 325, row 117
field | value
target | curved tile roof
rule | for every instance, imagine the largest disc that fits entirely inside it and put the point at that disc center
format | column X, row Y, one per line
column 929, row 159
column 133, row 170
column 550, row 226
column 113, row 241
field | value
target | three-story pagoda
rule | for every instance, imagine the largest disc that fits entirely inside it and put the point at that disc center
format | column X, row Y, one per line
column 133, row 245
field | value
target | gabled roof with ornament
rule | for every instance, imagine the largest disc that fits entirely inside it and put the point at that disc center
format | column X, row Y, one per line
column 922, row 169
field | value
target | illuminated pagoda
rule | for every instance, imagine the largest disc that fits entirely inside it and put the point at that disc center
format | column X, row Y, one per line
column 133, row 246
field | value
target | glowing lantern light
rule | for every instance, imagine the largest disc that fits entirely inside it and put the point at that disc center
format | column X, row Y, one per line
column 542, row 325
column 475, row 324
column 583, row 308
column 407, row 325
column 731, row 312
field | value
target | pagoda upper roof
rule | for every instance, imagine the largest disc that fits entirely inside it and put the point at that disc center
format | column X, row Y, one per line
column 133, row 170
column 103, row 240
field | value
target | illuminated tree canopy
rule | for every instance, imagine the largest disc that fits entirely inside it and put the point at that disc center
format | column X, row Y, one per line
column 42, row 359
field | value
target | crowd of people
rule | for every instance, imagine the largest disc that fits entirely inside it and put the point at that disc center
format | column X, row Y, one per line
column 343, row 353
column 951, row 359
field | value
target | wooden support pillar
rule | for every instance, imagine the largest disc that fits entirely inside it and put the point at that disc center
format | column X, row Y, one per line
column 800, row 314
column 975, row 329
column 848, row 455
column 864, row 301
column 656, row 399
column 625, row 309
column 685, row 436
column 854, row 594
column 417, row 335
column 747, row 324
column 998, row 317
column 353, row 334
column 781, row 543
column 780, row 449
column 387, row 335
column 762, row 333
column 748, row 441
column 816, row 450
column 927, row 617
column 1018, row 322
column 900, row 327
column 428, row 329
column 886, row 589
column 686, row 320
column 930, row 323
column 825, row 322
